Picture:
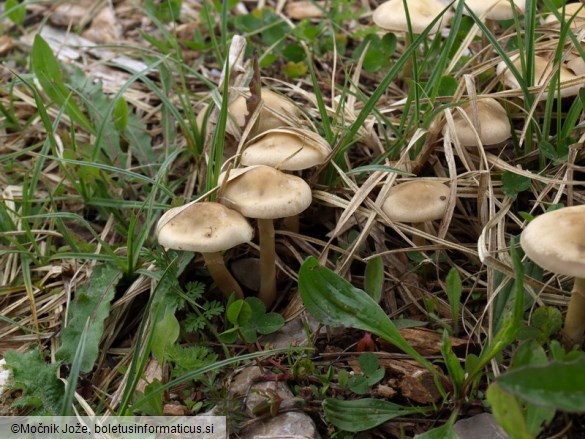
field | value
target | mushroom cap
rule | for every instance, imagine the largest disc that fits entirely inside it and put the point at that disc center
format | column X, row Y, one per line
column 542, row 70
column 496, row 9
column 204, row 227
column 494, row 126
column 417, row 201
column 571, row 9
column 264, row 192
column 391, row 15
column 286, row 149
column 275, row 112
column 556, row 241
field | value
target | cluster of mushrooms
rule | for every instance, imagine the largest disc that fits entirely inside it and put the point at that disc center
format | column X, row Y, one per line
column 263, row 189
column 554, row 240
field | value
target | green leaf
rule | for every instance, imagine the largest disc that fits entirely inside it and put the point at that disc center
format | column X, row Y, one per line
column 368, row 363
column 359, row 385
column 92, row 303
column 374, row 60
column 121, row 114
column 230, row 336
column 374, row 168
column 42, row 390
column 454, row 367
column 295, row 69
column 165, row 334
column 335, row 302
column 374, row 278
column 239, row 313
column 559, row 385
column 507, row 412
column 269, row 323
column 454, row 295
column 363, row 414
column 548, row 320
column 167, row 11
column 48, row 71
column 445, row 431
column 447, row 86
column 15, row 11
column 152, row 402
column 513, row 184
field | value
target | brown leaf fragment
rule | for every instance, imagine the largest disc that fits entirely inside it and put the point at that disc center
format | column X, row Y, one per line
column 304, row 9
column 414, row 381
column 174, row 410
column 424, row 341
column 104, row 28
column 255, row 92
column 6, row 44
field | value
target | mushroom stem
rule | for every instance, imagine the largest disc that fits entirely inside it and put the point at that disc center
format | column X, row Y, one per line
column 575, row 319
column 418, row 240
column 267, row 292
column 221, row 276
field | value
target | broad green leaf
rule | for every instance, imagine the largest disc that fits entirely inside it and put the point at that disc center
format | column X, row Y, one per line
column 445, row 431
column 559, row 385
column 165, row 334
column 92, row 303
column 48, row 71
column 374, row 278
column 447, row 86
column 359, row 385
column 454, row 295
column 239, row 312
column 295, row 69
column 15, row 11
column 230, row 336
column 121, row 114
column 456, row 372
column 507, row 411
column 368, row 363
column 363, row 414
column 335, row 302
column 269, row 323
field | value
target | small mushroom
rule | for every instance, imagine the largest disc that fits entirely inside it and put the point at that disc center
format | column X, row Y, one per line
column 496, row 9
column 391, row 16
column 493, row 127
column 286, row 149
column 570, row 10
column 556, row 241
column 543, row 68
column 265, row 193
column 208, row 228
column 417, row 202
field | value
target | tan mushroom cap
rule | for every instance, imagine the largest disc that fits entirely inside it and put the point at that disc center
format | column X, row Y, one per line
column 417, row 201
column 204, row 227
column 496, row 9
column 493, row 120
column 571, row 9
column 264, row 192
column 276, row 112
column 391, row 15
column 286, row 149
column 556, row 241
column 542, row 70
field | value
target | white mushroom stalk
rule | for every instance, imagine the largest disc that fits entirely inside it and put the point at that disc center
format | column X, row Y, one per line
column 265, row 193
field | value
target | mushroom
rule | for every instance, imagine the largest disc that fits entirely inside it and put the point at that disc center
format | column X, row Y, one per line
column 493, row 123
column 277, row 111
column 265, row 193
column 417, row 202
column 287, row 149
column 556, row 241
column 391, row 16
column 495, row 9
column 208, row 228
column 543, row 68
column 569, row 11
